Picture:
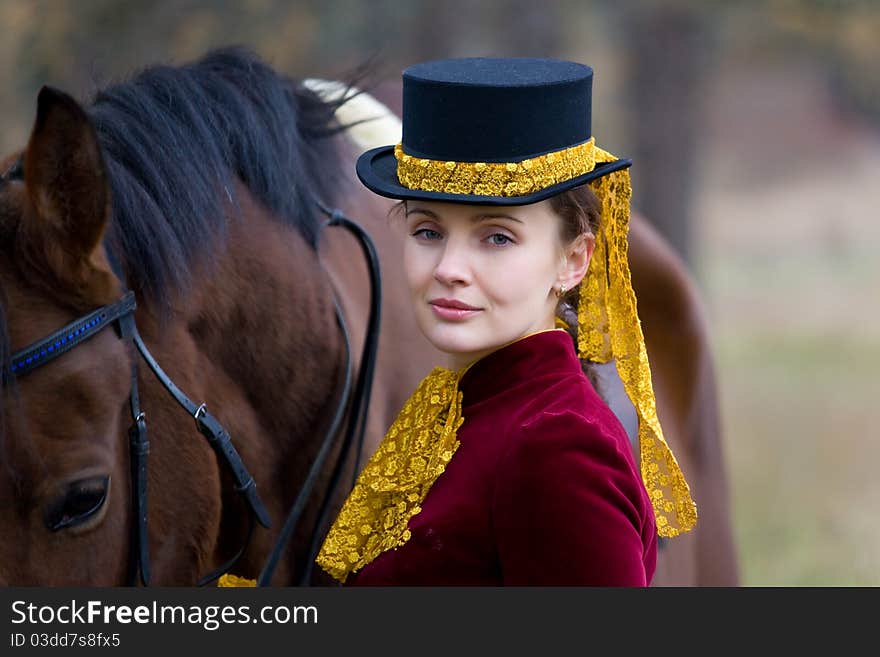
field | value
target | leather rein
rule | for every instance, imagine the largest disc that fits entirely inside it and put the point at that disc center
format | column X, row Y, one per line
column 120, row 315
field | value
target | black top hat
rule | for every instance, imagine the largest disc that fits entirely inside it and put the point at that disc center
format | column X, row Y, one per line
column 491, row 132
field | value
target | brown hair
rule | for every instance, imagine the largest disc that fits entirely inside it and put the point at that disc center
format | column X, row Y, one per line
column 580, row 211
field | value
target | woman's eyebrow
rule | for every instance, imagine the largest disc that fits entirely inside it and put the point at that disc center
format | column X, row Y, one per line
column 476, row 218
column 494, row 215
column 421, row 211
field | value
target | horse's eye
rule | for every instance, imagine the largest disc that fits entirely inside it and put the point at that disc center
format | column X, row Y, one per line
column 78, row 502
column 16, row 171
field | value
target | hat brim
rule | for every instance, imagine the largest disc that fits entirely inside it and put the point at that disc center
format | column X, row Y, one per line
column 377, row 170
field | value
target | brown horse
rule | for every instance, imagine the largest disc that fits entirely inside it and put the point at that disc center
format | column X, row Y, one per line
column 195, row 188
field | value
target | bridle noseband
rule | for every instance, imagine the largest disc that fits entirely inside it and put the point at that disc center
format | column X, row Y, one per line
column 121, row 316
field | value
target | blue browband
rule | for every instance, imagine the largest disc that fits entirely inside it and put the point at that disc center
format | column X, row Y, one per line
column 121, row 314
column 67, row 338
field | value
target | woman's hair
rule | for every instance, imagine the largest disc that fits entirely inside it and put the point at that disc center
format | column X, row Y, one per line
column 580, row 212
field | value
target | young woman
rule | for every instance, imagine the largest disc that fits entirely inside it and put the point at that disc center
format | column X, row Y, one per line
column 510, row 469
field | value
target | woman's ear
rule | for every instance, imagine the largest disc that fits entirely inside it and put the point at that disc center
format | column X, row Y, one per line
column 576, row 260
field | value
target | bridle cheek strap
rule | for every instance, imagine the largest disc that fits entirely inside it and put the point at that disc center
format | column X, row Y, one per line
column 217, row 436
column 139, row 448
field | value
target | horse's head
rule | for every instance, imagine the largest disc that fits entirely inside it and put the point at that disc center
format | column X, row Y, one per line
column 63, row 461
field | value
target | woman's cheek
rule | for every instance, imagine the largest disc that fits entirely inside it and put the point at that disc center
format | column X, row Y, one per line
column 411, row 267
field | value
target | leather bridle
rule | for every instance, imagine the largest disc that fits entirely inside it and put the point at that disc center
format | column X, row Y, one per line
column 120, row 315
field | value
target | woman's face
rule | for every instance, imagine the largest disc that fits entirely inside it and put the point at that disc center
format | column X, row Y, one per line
column 482, row 276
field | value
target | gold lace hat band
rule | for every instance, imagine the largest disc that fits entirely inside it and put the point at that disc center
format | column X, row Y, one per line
column 495, row 178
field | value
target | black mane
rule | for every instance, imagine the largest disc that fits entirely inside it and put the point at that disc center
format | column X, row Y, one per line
column 174, row 140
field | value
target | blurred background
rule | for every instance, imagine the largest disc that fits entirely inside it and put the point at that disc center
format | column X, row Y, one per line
column 755, row 130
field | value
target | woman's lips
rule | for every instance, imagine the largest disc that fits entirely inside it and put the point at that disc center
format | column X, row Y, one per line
column 454, row 311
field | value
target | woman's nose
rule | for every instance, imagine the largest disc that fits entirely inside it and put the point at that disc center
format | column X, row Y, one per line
column 453, row 267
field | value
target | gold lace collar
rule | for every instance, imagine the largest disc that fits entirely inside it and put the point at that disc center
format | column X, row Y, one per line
column 396, row 479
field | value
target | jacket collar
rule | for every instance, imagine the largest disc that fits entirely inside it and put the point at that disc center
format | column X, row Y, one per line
column 531, row 357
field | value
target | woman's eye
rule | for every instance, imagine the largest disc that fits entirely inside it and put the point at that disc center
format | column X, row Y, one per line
column 427, row 234
column 499, row 239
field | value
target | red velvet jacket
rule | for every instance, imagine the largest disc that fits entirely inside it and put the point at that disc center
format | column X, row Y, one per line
column 543, row 489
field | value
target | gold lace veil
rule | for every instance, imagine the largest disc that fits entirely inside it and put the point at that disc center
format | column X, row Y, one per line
column 609, row 327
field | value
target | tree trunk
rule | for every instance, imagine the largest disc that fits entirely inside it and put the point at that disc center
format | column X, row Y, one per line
column 668, row 49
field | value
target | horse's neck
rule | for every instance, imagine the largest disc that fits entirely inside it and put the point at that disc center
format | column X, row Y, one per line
column 255, row 339
column 266, row 316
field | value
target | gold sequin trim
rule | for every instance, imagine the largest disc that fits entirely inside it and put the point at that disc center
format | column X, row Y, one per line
column 395, row 481
column 494, row 178
column 609, row 327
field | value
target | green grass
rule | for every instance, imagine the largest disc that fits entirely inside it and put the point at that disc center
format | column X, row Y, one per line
column 803, row 450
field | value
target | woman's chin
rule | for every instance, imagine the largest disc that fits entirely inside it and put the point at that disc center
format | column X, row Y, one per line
column 461, row 348
column 455, row 349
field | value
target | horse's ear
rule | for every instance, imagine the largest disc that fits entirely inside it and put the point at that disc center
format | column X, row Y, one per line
column 64, row 173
